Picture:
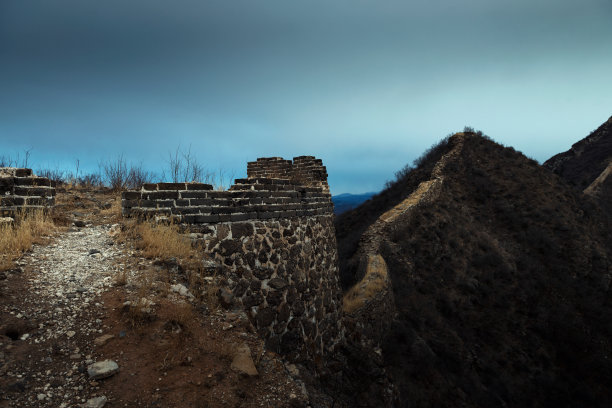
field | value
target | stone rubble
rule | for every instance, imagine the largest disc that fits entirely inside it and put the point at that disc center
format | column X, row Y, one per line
column 65, row 280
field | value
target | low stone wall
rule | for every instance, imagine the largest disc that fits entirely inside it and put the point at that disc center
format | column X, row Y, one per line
column 20, row 190
column 284, row 274
column 272, row 238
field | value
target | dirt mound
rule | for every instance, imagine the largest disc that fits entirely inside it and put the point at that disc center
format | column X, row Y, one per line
column 500, row 277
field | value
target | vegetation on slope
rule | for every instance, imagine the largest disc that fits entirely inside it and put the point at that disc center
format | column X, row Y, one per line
column 586, row 160
column 501, row 286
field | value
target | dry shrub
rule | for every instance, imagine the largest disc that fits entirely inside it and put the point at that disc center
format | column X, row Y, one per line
column 140, row 311
column 166, row 242
column 18, row 237
column 114, row 212
column 162, row 241
column 180, row 313
column 121, row 277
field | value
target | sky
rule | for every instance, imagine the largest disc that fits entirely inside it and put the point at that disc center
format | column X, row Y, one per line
column 366, row 86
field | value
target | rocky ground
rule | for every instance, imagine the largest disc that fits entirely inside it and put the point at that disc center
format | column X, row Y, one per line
column 68, row 338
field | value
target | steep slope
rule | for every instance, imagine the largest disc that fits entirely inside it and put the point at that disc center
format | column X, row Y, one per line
column 586, row 160
column 499, row 274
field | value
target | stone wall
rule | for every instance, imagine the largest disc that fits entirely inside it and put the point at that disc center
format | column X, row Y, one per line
column 20, row 190
column 271, row 236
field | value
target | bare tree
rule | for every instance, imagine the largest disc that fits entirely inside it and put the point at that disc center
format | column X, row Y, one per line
column 7, row 161
column 57, row 175
column 137, row 176
column 183, row 167
column 116, row 173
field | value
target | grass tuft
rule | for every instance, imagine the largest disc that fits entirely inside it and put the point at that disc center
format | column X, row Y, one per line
column 162, row 241
column 17, row 237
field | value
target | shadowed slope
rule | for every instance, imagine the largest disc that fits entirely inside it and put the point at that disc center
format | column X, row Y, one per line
column 586, row 160
column 500, row 282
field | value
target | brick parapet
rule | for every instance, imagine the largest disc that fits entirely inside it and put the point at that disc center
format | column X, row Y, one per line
column 20, row 190
column 303, row 170
column 253, row 198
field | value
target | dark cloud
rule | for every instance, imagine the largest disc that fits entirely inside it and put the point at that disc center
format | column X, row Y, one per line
column 346, row 80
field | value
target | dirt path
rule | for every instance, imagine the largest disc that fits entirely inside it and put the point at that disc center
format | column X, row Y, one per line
column 56, row 312
column 63, row 296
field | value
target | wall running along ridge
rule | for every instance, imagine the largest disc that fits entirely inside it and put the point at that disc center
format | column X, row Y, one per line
column 20, row 190
column 271, row 236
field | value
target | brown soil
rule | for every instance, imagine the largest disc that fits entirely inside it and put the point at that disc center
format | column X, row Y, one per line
column 180, row 355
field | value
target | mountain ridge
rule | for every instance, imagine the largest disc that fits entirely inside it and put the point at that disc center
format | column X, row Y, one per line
column 499, row 281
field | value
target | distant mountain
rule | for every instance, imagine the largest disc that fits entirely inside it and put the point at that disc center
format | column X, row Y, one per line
column 488, row 279
column 588, row 164
column 345, row 202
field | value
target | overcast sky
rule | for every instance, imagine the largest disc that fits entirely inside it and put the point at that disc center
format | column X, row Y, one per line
column 364, row 85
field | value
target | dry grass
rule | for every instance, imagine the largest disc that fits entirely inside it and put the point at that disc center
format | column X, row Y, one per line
column 375, row 280
column 167, row 243
column 18, row 237
column 162, row 241
column 121, row 277
column 114, row 212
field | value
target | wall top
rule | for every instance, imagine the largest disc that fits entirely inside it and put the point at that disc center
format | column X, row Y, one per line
column 305, row 170
column 15, row 172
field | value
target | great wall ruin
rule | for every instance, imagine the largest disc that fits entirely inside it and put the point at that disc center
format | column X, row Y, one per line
column 21, row 190
column 272, row 237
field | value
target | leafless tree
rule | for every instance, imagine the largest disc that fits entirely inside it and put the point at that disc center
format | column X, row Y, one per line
column 116, row 173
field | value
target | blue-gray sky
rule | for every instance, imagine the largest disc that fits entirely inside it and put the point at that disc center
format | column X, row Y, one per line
column 365, row 85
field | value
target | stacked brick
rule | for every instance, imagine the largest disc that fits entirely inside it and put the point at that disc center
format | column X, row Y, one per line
column 270, row 167
column 272, row 237
column 309, row 171
column 248, row 199
column 20, row 190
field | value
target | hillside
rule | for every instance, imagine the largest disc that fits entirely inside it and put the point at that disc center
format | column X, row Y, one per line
column 588, row 165
column 586, row 160
column 500, row 275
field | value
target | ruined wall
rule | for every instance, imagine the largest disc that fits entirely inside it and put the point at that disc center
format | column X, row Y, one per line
column 20, row 190
column 271, row 236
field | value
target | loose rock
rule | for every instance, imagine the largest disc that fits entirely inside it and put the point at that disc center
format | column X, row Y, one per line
column 97, row 402
column 102, row 340
column 102, row 369
column 243, row 362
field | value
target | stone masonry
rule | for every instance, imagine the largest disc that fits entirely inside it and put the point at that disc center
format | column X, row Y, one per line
column 271, row 236
column 20, row 190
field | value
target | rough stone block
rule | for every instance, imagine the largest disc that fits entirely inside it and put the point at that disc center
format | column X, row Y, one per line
column 12, row 201
column 23, row 172
column 181, row 202
column 221, row 210
column 204, row 219
column 199, row 186
column 193, row 194
column 147, row 203
column 131, row 195
column 149, row 187
column 34, row 191
column 36, row 201
column 239, row 217
column 171, row 186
